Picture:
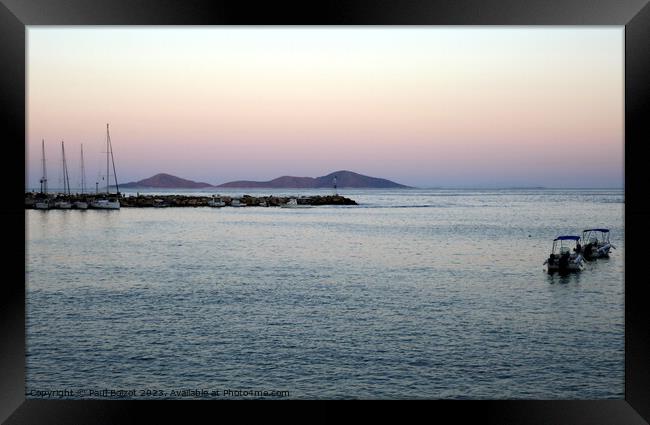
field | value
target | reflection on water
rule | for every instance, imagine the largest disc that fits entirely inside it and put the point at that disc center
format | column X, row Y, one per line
column 446, row 300
column 564, row 277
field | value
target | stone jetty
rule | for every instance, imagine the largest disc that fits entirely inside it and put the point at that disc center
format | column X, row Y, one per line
column 158, row 201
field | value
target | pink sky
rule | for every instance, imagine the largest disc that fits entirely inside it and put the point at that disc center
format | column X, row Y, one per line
column 424, row 106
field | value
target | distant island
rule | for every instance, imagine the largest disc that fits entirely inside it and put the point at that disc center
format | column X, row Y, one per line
column 166, row 181
column 344, row 179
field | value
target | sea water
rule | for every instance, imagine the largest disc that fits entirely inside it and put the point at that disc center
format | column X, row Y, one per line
column 410, row 294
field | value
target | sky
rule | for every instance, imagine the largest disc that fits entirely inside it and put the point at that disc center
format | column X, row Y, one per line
column 423, row 106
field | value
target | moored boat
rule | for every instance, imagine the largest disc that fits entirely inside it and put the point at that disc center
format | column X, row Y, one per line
column 108, row 203
column 216, row 202
column 62, row 205
column 596, row 243
column 565, row 255
column 105, row 204
column 82, row 205
column 42, row 205
column 293, row 203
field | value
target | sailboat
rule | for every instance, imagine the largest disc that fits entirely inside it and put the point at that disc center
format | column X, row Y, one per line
column 63, row 204
column 109, row 202
column 43, row 204
column 81, row 205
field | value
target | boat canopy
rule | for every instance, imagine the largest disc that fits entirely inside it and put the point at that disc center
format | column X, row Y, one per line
column 596, row 230
column 567, row 238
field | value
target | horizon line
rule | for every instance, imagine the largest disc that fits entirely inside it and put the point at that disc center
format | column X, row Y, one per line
column 32, row 189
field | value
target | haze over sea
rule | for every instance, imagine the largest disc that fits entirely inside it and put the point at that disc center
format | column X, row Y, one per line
column 412, row 294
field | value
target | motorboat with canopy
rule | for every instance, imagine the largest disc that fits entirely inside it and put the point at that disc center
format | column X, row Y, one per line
column 596, row 243
column 565, row 255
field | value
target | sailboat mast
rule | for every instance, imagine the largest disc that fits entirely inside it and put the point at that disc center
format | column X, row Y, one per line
column 66, row 178
column 107, row 175
column 83, row 171
column 44, row 178
column 110, row 144
column 63, row 164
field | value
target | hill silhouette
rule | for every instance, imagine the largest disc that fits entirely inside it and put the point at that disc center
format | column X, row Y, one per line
column 166, row 181
column 344, row 178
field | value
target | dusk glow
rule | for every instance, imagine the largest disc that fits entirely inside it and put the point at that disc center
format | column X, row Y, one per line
column 423, row 106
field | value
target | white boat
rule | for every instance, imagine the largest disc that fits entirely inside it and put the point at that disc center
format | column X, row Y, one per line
column 62, row 205
column 42, row 205
column 105, row 204
column 216, row 202
column 263, row 204
column 293, row 203
column 596, row 243
column 563, row 258
column 108, row 203
column 237, row 203
column 160, row 203
column 80, row 205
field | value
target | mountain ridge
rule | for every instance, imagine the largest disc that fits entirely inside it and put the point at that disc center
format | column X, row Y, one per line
column 344, row 179
column 166, row 181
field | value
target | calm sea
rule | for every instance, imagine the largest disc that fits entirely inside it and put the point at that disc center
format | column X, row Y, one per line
column 411, row 294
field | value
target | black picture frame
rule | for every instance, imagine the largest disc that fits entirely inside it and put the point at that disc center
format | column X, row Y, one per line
column 15, row 15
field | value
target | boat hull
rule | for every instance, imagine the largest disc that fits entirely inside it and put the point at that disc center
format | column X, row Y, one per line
column 293, row 203
column 599, row 251
column 603, row 251
column 105, row 205
column 574, row 264
column 63, row 205
column 571, row 267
